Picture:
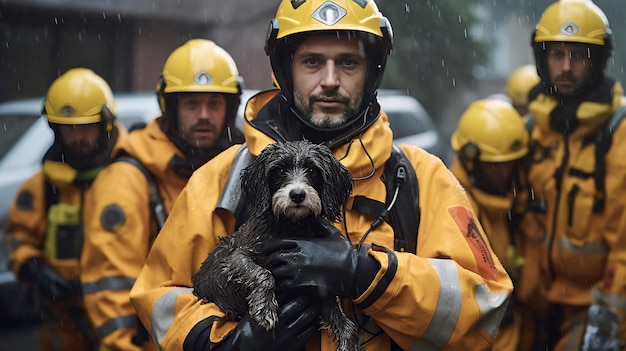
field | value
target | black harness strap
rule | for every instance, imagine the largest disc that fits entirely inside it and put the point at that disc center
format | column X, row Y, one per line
column 155, row 202
column 402, row 195
column 159, row 214
column 603, row 142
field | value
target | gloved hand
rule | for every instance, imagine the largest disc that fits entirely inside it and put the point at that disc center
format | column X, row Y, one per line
column 51, row 284
column 297, row 321
column 602, row 331
column 328, row 263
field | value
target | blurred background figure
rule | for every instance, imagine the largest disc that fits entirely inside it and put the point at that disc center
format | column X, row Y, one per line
column 45, row 228
column 578, row 179
column 491, row 144
column 199, row 92
column 518, row 86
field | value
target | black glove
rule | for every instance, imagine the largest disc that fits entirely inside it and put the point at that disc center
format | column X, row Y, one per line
column 50, row 283
column 297, row 321
column 329, row 264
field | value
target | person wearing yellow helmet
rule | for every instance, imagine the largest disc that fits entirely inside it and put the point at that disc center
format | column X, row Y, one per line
column 578, row 185
column 198, row 92
column 491, row 145
column 448, row 291
column 518, row 86
column 45, row 230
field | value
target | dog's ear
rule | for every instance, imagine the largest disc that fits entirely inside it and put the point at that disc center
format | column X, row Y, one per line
column 337, row 185
column 254, row 185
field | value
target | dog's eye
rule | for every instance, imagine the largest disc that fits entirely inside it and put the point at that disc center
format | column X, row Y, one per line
column 277, row 173
column 314, row 174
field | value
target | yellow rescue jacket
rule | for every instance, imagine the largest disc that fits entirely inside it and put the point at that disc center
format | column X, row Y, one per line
column 35, row 220
column 451, row 295
column 119, row 232
column 583, row 251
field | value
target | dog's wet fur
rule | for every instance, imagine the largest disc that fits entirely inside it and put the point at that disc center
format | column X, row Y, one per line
column 291, row 189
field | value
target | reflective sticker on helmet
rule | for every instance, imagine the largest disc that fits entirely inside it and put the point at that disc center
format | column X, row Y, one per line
column 569, row 28
column 361, row 3
column 479, row 247
column 24, row 201
column 112, row 217
column 203, row 78
column 297, row 3
column 67, row 111
column 329, row 13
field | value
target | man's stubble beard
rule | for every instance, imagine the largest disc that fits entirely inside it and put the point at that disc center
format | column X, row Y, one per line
column 304, row 104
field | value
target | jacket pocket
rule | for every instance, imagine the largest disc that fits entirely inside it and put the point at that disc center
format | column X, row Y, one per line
column 578, row 209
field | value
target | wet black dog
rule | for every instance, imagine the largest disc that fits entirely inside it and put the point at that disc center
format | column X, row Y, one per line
column 293, row 188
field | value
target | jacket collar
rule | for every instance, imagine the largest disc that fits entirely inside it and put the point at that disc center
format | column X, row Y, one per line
column 589, row 114
column 363, row 154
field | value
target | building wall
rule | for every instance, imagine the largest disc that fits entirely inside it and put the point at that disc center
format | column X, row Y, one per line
column 126, row 42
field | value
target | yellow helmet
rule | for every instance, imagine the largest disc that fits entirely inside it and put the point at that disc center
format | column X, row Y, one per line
column 519, row 84
column 574, row 21
column 296, row 20
column 303, row 16
column 80, row 96
column 490, row 130
column 198, row 66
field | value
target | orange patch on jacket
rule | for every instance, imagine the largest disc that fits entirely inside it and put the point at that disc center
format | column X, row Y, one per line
column 467, row 224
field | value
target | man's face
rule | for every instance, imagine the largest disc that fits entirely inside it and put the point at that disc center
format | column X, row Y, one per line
column 569, row 66
column 499, row 175
column 80, row 139
column 201, row 118
column 328, row 79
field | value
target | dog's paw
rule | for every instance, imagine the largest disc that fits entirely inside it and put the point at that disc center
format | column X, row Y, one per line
column 265, row 312
column 262, row 304
column 341, row 328
column 344, row 332
column 348, row 338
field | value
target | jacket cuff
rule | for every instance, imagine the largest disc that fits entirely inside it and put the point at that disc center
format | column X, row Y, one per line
column 198, row 338
column 367, row 267
column 384, row 276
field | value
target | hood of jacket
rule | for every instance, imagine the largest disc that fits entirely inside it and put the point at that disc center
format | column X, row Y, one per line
column 584, row 116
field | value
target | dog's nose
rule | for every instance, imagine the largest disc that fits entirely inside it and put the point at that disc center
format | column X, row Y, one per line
column 297, row 195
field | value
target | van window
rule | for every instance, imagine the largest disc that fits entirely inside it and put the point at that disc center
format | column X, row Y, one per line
column 12, row 126
column 404, row 124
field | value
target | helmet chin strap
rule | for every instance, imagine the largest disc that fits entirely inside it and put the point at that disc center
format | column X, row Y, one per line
column 340, row 134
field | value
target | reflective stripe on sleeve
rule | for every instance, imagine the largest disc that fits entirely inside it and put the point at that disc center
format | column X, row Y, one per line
column 446, row 314
column 109, row 283
column 123, row 322
column 492, row 307
column 164, row 311
column 587, row 249
column 605, row 299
